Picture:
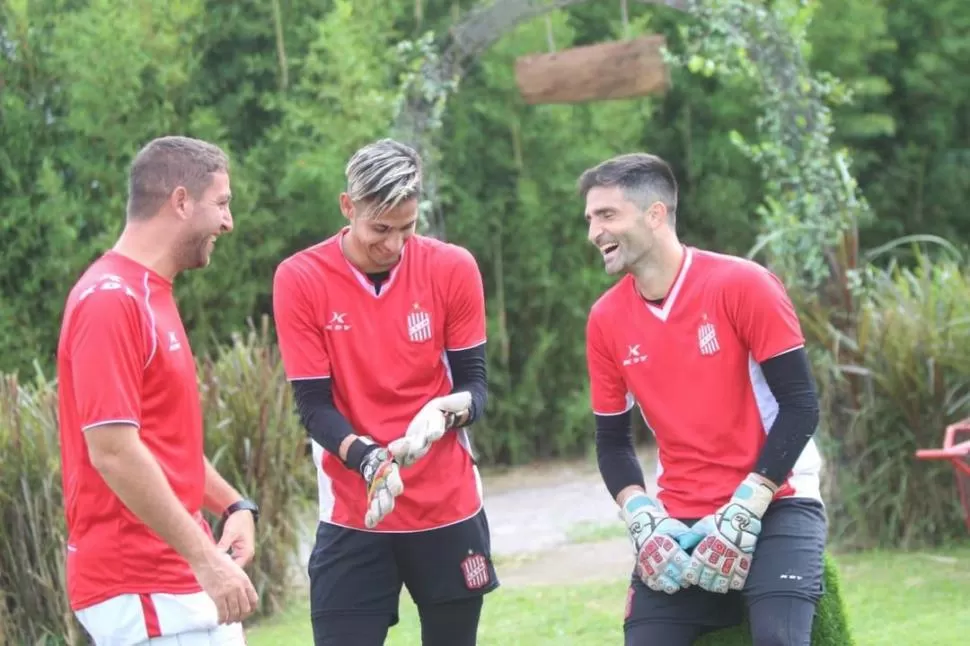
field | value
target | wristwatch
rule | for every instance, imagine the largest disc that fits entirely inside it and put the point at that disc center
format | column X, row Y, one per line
column 241, row 505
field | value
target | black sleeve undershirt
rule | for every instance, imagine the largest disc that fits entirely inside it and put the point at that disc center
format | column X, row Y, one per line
column 615, row 455
column 469, row 373
column 328, row 427
column 789, row 377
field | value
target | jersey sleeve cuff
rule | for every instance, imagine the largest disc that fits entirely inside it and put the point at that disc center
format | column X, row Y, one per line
column 466, row 347
column 627, row 406
column 112, row 422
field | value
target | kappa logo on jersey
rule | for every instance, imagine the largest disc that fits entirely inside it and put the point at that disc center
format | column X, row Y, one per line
column 419, row 325
column 707, row 338
column 338, row 322
column 634, row 356
column 475, row 570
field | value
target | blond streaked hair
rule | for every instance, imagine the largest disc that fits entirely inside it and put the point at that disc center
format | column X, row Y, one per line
column 383, row 174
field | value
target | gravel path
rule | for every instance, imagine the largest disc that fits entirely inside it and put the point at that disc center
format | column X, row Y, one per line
column 531, row 511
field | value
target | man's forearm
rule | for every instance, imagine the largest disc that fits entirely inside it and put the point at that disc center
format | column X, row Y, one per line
column 219, row 494
column 616, row 457
column 137, row 479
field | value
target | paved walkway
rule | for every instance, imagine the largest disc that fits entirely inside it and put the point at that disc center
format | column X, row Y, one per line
column 531, row 512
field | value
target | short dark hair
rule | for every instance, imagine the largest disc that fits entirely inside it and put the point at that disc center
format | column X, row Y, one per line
column 644, row 179
column 166, row 163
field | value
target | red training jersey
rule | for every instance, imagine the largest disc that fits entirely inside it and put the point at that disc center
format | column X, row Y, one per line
column 124, row 358
column 692, row 366
column 384, row 353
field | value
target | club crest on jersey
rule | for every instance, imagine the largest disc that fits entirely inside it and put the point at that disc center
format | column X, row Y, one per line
column 475, row 570
column 419, row 325
column 707, row 338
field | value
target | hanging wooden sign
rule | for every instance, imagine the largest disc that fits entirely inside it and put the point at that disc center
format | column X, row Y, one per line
column 614, row 70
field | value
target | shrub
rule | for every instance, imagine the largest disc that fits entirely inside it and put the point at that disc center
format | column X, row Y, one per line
column 895, row 370
column 252, row 437
column 33, row 606
column 256, row 442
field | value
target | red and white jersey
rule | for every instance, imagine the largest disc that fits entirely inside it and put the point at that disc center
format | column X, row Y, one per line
column 385, row 356
column 123, row 358
column 692, row 366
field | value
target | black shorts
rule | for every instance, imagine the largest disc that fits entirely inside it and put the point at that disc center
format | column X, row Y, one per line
column 787, row 562
column 357, row 572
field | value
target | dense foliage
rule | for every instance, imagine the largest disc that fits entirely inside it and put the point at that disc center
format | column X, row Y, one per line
column 291, row 87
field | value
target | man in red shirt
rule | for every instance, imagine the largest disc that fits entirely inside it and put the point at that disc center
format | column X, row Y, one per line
column 709, row 347
column 142, row 565
column 382, row 334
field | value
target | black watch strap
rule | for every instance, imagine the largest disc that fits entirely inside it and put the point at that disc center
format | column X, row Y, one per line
column 242, row 505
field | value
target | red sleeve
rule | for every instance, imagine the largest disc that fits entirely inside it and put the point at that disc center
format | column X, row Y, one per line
column 108, row 352
column 465, row 323
column 298, row 334
column 608, row 391
column 762, row 313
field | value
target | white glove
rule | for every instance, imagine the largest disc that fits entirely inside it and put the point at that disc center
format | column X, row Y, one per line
column 428, row 426
column 722, row 560
column 655, row 536
column 383, row 479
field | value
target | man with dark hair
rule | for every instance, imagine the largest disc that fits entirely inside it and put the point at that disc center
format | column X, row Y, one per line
column 142, row 565
column 382, row 334
column 710, row 349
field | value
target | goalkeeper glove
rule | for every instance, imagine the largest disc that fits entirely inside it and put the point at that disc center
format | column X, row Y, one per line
column 722, row 560
column 660, row 559
column 427, row 427
column 383, row 482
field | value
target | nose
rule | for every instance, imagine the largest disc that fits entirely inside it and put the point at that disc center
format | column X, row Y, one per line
column 594, row 231
column 394, row 243
column 227, row 221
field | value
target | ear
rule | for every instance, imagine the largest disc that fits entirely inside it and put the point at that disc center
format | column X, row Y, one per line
column 180, row 202
column 657, row 214
column 347, row 206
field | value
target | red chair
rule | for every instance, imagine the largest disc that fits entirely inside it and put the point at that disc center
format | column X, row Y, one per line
column 956, row 449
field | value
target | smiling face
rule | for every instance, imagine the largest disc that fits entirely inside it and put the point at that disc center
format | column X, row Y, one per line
column 624, row 233
column 207, row 218
column 375, row 243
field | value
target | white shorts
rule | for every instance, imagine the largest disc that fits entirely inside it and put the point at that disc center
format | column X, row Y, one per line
column 158, row 619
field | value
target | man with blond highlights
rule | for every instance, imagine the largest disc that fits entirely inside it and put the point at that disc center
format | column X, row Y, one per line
column 382, row 334
column 142, row 565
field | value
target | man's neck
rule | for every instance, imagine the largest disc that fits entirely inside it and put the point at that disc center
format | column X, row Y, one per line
column 348, row 246
column 144, row 246
column 655, row 277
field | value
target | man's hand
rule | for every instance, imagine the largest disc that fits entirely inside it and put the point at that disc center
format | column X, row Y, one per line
column 427, row 427
column 660, row 559
column 239, row 537
column 722, row 560
column 383, row 479
column 227, row 585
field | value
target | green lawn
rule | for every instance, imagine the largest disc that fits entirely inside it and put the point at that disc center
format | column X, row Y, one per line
column 893, row 598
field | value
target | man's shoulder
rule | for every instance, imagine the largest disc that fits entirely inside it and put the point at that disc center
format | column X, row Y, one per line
column 441, row 252
column 728, row 265
column 613, row 299
column 306, row 261
column 106, row 282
